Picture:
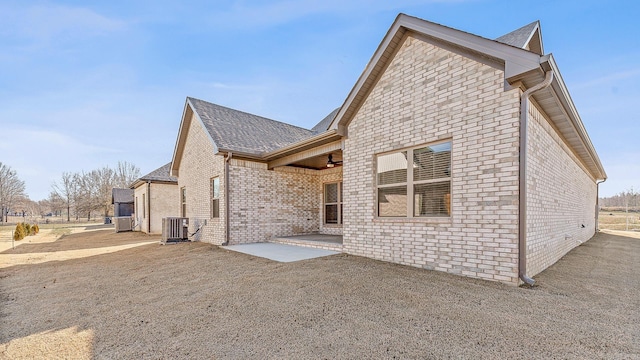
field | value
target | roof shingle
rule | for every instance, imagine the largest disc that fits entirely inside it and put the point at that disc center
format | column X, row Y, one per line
column 243, row 132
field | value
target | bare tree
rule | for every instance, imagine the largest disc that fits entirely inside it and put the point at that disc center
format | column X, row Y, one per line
column 67, row 191
column 11, row 188
column 125, row 174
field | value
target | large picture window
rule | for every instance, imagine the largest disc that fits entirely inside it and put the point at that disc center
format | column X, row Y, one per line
column 215, row 197
column 333, row 203
column 415, row 182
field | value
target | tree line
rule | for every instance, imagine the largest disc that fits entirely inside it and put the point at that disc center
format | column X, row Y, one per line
column 85, row 194
column 78, row 195
column 624, row 200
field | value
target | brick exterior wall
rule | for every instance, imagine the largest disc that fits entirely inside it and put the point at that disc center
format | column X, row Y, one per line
column 561, row 196
column 164, row 203
column 197, row 167
column 429, row 94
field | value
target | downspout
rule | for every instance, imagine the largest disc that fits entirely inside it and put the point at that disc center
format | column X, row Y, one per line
column 522, row 201
column 226, row 198
column 148, row 207
column 598, row 204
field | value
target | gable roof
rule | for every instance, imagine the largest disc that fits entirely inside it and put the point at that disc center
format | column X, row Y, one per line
column 122, row 196
column 234, row 130
column 247, row 135
column 159, row 175
column 527, row 37
column 522, row 68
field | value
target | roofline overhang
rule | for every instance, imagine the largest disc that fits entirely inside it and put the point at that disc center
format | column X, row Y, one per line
column 182, row 134
column 560, row 90
column 317, row 140
column 516, row 61
column 142, row 181
column 322, row 138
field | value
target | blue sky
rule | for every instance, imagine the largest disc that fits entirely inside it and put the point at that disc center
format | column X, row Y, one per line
column 85, row 84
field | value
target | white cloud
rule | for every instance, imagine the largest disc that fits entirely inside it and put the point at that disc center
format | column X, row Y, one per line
column 43, row 22
column 608, row 79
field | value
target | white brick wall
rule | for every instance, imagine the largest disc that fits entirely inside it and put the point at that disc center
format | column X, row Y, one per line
column 561, row 197
column 197, row 167
column 428, row 94
column 164, row 203
column 280, row 202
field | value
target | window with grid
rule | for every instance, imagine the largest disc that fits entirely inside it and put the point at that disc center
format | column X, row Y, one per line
column 415, row 182
column 333, row 203
column 183, row 202
column 215, row 197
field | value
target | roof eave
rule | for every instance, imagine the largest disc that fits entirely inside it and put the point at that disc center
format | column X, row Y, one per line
column 561, row 90
column 516, row 60
column 329, row 135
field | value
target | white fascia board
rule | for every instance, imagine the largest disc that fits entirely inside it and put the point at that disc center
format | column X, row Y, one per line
column 516, row 60
column 561, row 90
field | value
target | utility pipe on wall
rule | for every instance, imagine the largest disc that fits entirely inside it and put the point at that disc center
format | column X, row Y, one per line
column 522, row 211
column 598, row 204
column 148, row 207
column 226, row 198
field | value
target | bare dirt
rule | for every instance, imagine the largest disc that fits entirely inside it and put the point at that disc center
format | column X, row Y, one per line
column 198, row 301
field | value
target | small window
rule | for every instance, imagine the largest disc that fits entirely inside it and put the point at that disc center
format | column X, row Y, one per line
column 215, row 197
column 333, row 203
column 415, row 182
column 144, row 206
column 136, row 205
column 183, row 202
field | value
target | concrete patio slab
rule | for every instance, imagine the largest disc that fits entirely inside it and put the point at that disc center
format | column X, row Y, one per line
column 280, row 252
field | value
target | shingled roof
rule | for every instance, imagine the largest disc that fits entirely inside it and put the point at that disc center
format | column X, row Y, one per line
column 161, row 174
column 323, row 125
column 122, row 196
column 526, row 37
column 235, row 130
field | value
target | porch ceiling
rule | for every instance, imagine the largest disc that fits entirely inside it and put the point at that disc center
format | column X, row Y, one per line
column 314, row 158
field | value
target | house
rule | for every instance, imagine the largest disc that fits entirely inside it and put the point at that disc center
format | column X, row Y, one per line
column 452, row 152
column 156, row 197
column 122, row 200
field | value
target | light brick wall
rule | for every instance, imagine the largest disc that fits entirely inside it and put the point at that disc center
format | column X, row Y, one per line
column 266, row 203
column 197, row 167
column 561, row 196
column 428, row 94
column 164, row 203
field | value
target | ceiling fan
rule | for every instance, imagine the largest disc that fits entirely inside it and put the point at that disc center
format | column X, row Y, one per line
column 331, row 163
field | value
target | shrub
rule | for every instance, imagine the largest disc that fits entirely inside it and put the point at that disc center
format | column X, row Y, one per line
column 20, row 233
column 36, row 229
column 27, row 229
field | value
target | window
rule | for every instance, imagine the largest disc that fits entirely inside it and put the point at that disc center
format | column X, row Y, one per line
column 144, row 207
column 183, row 202
column 333, row 203
column 215, row 197
column 426, row 179
column 136, row 206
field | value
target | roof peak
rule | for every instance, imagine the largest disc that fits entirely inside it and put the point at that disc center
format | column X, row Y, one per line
column 527, row 37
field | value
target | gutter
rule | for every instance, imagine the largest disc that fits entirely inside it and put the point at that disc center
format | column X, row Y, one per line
column 226, row 198
column 598, row 203
column 522, row 201
column 148, row 207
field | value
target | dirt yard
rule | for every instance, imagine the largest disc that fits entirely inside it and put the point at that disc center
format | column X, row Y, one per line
column 104, row 295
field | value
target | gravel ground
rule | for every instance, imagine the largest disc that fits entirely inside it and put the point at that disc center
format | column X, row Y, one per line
column 195, row 301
